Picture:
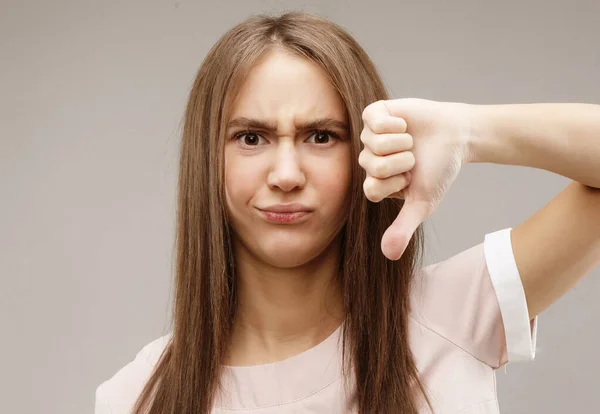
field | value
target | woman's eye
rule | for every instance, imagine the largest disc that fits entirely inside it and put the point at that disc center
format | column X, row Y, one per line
column 322, row 137
column 249, row 138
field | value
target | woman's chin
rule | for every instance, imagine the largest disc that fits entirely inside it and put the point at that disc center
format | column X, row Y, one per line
column 285, row 255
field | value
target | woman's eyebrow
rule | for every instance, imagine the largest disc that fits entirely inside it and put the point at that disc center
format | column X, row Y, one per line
column 323, row 123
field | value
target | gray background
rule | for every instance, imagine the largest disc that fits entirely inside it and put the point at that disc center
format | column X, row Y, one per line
column 91, row 99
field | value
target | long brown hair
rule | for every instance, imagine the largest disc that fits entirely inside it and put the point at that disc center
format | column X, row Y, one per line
column 376, row 291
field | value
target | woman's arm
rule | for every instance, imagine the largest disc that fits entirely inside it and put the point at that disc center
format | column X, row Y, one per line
column 557, row 137
column 559, row 244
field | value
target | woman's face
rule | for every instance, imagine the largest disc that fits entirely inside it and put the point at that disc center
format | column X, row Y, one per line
column 285, row 163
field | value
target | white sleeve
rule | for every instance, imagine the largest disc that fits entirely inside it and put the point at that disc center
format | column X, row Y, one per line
column 520, row 331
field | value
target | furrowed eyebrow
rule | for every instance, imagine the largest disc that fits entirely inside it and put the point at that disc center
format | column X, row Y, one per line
column 251, row 123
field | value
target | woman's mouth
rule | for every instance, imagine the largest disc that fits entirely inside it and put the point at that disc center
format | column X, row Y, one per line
column 284, row 214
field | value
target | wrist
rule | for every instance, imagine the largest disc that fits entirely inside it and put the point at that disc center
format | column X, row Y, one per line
column 479, row 143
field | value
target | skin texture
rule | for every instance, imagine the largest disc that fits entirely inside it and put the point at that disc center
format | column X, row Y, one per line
column 286, row 302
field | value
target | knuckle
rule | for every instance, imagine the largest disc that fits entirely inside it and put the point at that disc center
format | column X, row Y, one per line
column 366, row 113
column 371, row 191
column 378, row 146
column 361, row 159
column 364, row 136
column 380, row 169
column 378, row 124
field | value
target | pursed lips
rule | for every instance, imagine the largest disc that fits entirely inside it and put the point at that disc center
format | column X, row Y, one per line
column 284, row 213
column 286, row 208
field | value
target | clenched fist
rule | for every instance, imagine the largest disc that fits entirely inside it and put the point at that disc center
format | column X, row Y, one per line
column 414, row 150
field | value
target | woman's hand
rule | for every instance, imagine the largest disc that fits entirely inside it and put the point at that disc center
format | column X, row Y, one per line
column 414, row 150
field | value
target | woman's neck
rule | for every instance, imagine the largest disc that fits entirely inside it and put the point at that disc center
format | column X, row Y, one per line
column 283, row 312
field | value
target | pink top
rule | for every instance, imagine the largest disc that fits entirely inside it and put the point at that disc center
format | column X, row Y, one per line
column 468, row 318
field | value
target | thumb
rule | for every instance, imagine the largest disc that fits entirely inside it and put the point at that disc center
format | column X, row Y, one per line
column 398, row 235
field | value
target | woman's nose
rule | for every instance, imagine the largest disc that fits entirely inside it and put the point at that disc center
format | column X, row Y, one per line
column 286, row 171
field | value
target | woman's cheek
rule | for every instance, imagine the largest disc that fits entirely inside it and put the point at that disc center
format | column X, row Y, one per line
column 334, row 185
column 237, row 183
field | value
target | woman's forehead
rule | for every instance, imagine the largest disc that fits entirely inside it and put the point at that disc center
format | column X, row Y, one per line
column 284, row 86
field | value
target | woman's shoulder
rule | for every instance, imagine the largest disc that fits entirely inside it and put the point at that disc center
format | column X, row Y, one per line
column 474, row 299
column 119, row 393
column 152, row 351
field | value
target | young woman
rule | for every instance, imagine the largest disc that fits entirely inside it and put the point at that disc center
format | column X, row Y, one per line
column 284, row 302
